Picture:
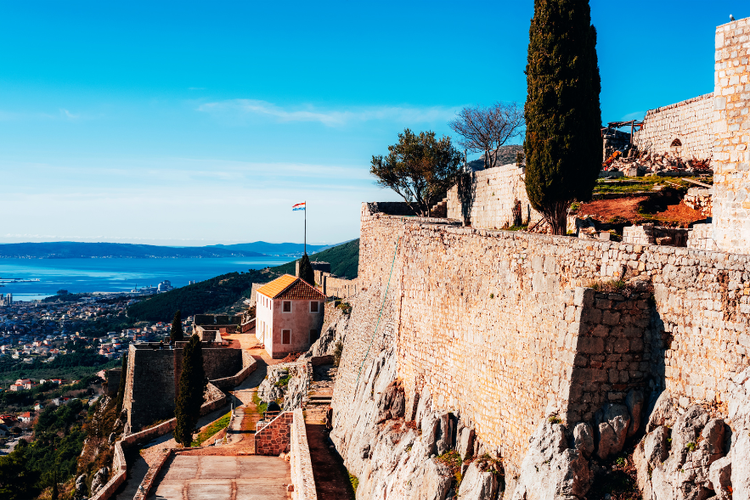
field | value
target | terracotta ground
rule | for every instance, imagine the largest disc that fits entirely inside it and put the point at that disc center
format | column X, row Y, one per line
column 627, row 208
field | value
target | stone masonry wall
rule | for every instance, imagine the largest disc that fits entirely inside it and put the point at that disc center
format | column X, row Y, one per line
column 153, row 377
column 689, row 121
column 731, row 190
column 486, row 198
column 274, row 438
column 490, row 323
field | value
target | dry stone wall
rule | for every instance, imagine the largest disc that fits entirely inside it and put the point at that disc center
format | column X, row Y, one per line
column 485, row 198
column 689, row 122
column 490, row 323
column 731, row 190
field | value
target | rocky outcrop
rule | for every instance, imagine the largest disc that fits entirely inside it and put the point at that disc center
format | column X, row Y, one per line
column 273, row 387
column 684, row 455
column 395, row 455
column 334, row 332
column 551, row 470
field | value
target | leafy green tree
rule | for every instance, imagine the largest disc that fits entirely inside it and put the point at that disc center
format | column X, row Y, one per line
column 175, row 334
column 563, row 117
column 192, row 386
column 18, row 481
column 306, row 270
column 419, row 168
column 121, row 386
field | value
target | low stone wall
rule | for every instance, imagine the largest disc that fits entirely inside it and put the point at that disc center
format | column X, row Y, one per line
column 249, row 366
column 485, row 199
column 649, row 234
column 148, row 480
column 301, row 462
column 273, row 439
column 701, row 237
column 689, row 122
column 120, row 468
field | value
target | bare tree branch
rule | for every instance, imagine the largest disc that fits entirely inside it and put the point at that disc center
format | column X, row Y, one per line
column 484, row 130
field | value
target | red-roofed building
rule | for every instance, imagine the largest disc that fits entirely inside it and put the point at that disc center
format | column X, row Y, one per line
column 289, row 315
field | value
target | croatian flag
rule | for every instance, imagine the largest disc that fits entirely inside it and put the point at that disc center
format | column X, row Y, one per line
column 298, row 206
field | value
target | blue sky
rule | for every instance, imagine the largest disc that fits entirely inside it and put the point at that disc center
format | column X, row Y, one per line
column 191, row 123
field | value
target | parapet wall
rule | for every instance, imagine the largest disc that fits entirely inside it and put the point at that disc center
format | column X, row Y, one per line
column 689, row 122
column 496, row 326
column 485, row 198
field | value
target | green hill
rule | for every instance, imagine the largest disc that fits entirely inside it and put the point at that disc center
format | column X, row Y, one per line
column 344, row 260
column 198, row 298
column 223, row 291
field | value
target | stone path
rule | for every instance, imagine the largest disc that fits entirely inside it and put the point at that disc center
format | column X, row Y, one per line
column 331, row 477
column 224, row 478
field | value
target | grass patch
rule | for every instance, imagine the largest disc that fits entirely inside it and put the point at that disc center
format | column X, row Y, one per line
column 612, row 286
column 260, row 405
column 629, row 185
column 283, row 381
column 212, row 429
column 353, row 480
column 452, row 459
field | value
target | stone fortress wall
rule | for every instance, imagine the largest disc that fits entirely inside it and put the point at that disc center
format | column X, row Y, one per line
column 690, row 122
column 497, row 327
column 485, row 198
column 731, row 161
column 153, row 376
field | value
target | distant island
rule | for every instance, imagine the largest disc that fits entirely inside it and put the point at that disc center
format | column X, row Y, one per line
column 76, row 250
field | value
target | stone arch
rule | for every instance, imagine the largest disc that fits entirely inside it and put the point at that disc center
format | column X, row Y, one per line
column 677, row 143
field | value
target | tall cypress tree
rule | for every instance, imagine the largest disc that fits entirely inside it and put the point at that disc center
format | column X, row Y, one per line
column 192, row 387
column 175, row 334
column 306, row 271
column 563, row 118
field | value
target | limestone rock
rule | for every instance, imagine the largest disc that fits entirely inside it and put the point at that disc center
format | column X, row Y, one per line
column 550, row 470
column 391, row 403
column 465, row 441
column 80, row 487
column 720, row 475
column 477, row 484
column 739, row 415
column 614, row 421
column 656, row 446
column 331, row 336
column 663, row 412
column 583, row 437
column 100, row 479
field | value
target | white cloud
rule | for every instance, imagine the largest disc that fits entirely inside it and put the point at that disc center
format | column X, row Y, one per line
column 331, row 117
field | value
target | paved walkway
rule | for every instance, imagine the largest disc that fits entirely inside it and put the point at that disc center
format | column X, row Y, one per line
column 224, row 478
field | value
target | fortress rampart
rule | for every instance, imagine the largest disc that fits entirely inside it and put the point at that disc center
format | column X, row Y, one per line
column 485, row 198
column 497, row 326
column 153, row 377
column 689, row 122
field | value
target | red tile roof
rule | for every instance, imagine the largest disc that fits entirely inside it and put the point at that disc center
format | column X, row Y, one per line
column 290, row 288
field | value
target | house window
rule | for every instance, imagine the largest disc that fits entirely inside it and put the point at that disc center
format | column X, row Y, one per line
column 287, row 306
column 314, row 307
column 286, row 336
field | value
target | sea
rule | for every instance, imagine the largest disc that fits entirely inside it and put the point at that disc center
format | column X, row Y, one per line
column 116, row 275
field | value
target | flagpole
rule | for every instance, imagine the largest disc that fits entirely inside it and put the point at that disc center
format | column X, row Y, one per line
column 305, row 227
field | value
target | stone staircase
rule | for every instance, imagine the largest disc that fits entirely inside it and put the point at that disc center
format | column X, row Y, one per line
column 440, row 209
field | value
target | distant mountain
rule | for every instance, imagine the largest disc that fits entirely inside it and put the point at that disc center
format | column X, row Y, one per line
column 276, row 249
column 504, row 155
column 73, row 250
